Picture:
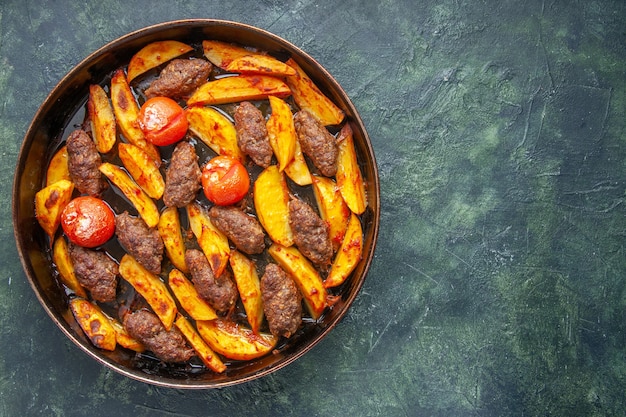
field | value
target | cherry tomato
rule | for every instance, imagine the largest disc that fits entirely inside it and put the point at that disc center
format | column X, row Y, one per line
column 225, row 180
column 162, row 121
column 88, row 221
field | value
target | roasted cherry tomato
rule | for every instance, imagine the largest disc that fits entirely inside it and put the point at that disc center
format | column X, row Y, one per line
column 88, row 221
column 162, row 121
column 225, row 180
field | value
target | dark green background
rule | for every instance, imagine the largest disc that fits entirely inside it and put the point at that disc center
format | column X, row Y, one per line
column 498, row 285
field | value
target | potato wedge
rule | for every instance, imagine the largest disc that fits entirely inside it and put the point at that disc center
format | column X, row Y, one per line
column 215, row 130
column 58, row 169
column 271, row 200
column 63, row 262
column 349, row 178
column 126, row 111
column 260, row 64
column 222, row 53
column 235, row 342
column 249, row 286
column 333, row 210
column 145, row 206
column 308, row 96
column 349, row 254
column 188, row 297
column 143, row 169
column 305, row 276
column 94, row 323
column 206, row 355
column 102, row 119
column 281, row 132
column 153, row 55
column 171, row 232
column 49, row 204
column 238, row 88
column 150, row 287
column 124, row 339
column 297, row 169
column 235, row 58
column 213, row 243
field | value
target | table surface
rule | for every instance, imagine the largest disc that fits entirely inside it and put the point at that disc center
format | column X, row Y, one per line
column 499, row 281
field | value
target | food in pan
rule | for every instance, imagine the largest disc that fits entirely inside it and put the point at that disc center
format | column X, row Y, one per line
column 208, row 205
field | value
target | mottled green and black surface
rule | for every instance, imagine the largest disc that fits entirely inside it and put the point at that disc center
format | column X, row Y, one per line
column 499, row 282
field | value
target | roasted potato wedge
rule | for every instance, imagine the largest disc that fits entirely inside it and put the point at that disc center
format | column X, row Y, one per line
column 94, row 323
column 61, row 258
column 260, row 64
column 102, row 119
column 145, row 206
column 305, row 276
column 349, row 254
column 213, row 243
column 171, row 232
column 215, row 130
column 124, row 339
column 208, row 357
column 126, row 111
column 308, row 96
column 333, row 210
column 235, row 342
column 249, row 286
column 236, row 58
column 349, row 178
column 150, row 287
column 281, row 132
column 297, row 169
column 143, row 169
column 153, row 55
column 238, row 88
column 49, row 204
column 58, row 168
column 188, row 297
column 271, row 200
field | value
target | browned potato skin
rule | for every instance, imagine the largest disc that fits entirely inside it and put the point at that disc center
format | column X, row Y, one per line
column 238, row 88
column 151, row 288
column 349, row 178
column 208, row 357
column 348, row 256
column 102, row 119
column 49, row 204
column 235, row 342
column 153, row 55
column 308, row 96
column 94, row 323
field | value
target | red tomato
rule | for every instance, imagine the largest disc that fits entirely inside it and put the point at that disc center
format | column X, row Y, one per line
column 162, row 121
column 88, row 221
column 225, row 180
